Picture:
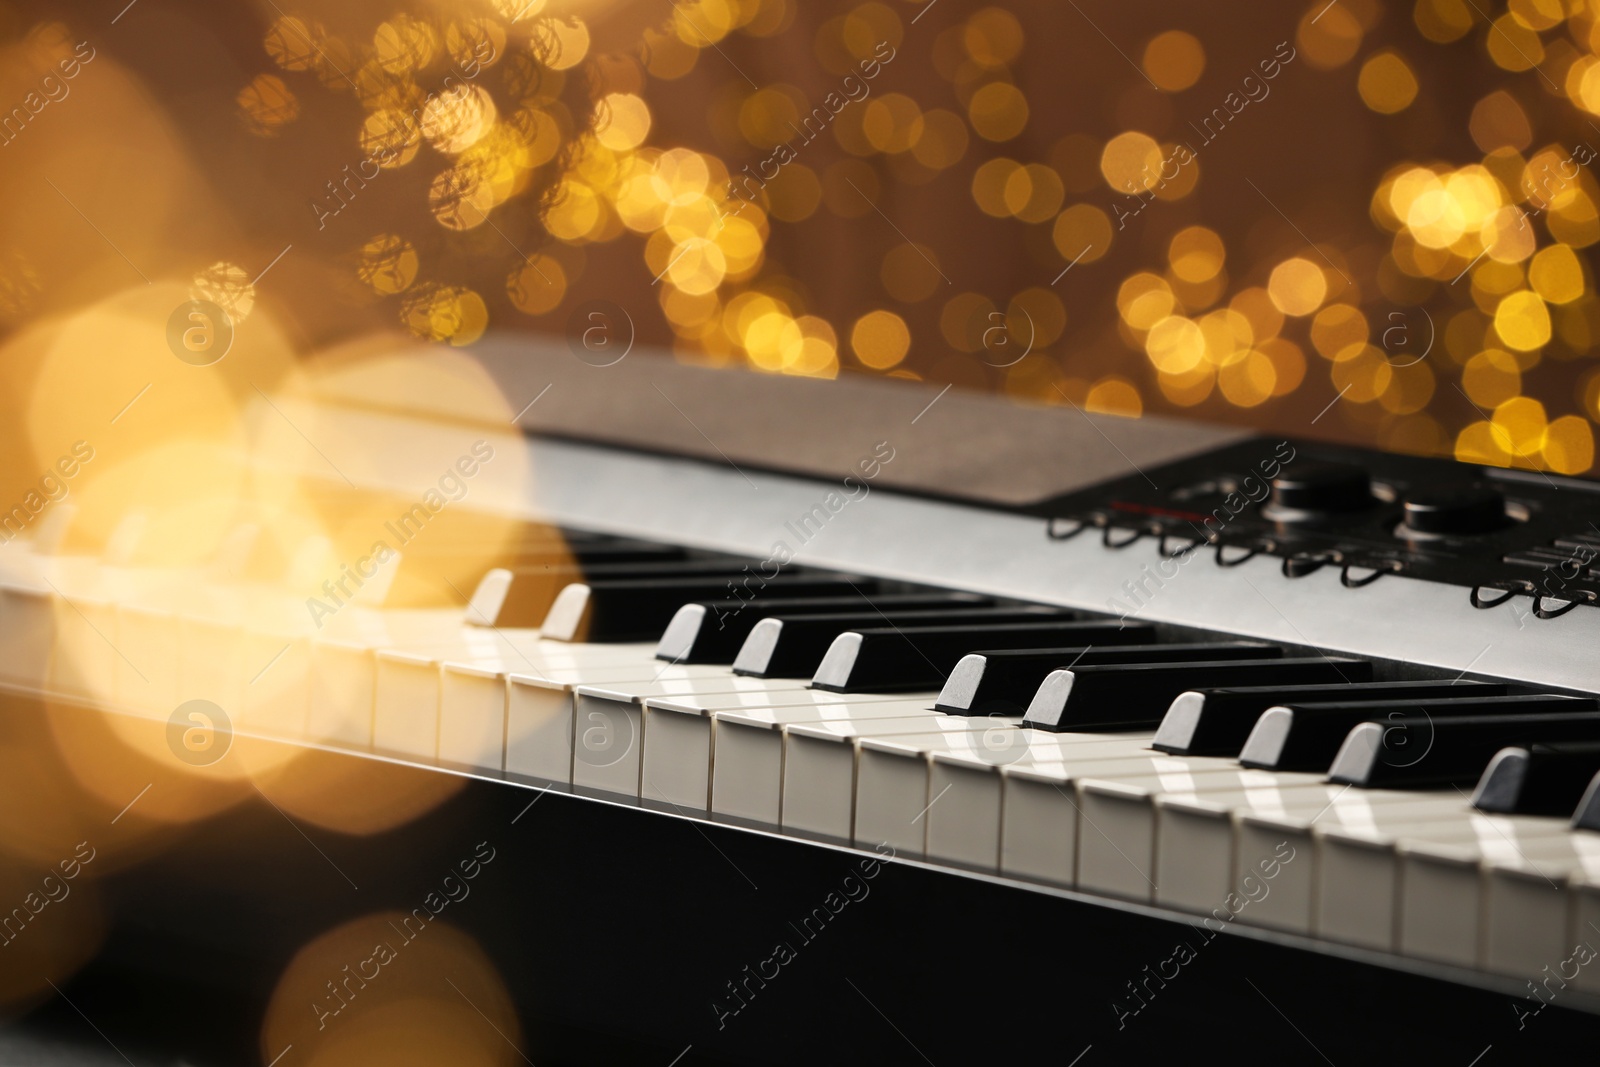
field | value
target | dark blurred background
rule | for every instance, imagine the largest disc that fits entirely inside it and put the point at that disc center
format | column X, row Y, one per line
column 1360, row 220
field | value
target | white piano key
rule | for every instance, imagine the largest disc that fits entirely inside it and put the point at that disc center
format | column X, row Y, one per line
column 1529, row 910
column 748, row 750
column 892, row 793
column 1039, row 827
column 472, row 716
column 343, row 677
column 276, row 695
column 967, row 809
column 1195, row 858
column 677, row 761
column 1293, row 898
column 538, row 728
column 211, row 664
column 82, row 654
column 1116, row 840
column 747, row 769
column 149, row 639
column 1441, row 902
column 405, row 719
column 607, row 739
column 1357, row 889
column 1585, row 888
column 27, row 614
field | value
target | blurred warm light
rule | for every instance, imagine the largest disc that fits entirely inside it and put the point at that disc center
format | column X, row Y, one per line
column 1131, row 162
column 352, row 796
column 1386, row 84
column 1297, row 286
column 398, row 987
column 1174, row 60
column 61, row 936
column 1082, row 233
column 880, row 339
column 1328, row 36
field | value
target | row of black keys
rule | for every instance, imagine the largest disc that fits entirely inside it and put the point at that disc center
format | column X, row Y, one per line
column 1063, row 672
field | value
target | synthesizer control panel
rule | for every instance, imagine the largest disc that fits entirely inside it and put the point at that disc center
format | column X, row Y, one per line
column 1499, row 534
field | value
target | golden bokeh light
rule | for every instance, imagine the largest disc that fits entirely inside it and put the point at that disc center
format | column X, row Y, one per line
column 1082, row 233
column 880, row 339
column 1386, row 84
column 1196, row 254
column 1297, row 286
column 1174, row 60
column 1130, row 161
column 373, row 990
column 998, row 111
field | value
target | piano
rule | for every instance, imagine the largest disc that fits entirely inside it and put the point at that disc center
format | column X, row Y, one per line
column 787, row 721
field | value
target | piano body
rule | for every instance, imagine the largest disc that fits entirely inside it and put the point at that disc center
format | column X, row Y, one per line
column 799, row 721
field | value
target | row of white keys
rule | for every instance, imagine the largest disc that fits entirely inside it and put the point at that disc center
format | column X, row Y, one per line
column 992, row 814
column 1497, row 892
column 1210, row 842
column 840, row 784
column 389, row 694
column 747, row 765
column 364, row 687
column 583, row 723
column 412, row 718
column 680, row 751
column 680, row 733
column 612, row 734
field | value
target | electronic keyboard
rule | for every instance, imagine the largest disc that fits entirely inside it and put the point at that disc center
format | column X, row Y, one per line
column 1103, row 702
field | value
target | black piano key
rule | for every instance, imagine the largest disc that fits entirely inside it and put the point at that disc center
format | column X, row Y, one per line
column 534, row 588
column 1306, row 737
column 711, row 631
column 793, row 647
column 1136, row 696
column 893, row 660
column 613, row 610
column 1216, row 722
column 1587, row 815
column 432, row 574
column 1457, row 749
column 1538, row 779
column 535, row 551
column 1003, row 683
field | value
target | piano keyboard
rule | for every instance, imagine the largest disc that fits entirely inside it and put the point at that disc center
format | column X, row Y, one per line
column 1025, row 740
column 1037, row 696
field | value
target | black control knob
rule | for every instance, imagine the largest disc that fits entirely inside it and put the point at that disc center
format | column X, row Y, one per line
column 1322, row 487
column 1456, row 511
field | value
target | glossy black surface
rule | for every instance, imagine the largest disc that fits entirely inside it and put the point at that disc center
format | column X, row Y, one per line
column 1317, row 731
column 1003, row 682
column 1224, row 717
column 1133, row 697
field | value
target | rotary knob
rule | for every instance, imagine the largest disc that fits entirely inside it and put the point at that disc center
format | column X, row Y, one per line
column 1472, row 510
column 1322, row 487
